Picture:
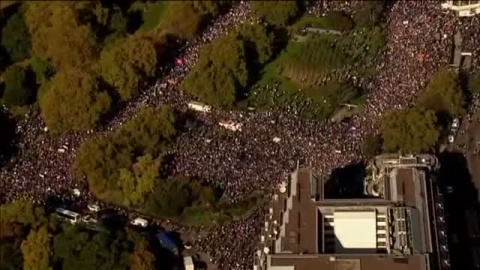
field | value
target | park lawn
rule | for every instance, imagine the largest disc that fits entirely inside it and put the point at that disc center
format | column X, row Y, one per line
column 152, row 14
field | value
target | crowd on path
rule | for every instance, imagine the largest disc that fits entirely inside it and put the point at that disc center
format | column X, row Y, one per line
column 420, row 36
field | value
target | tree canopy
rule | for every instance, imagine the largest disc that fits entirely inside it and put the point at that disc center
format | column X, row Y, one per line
column 59, row 34
column 18, row 88
column 36, row 250
column 225, row 68
column 410, row 130
column 18, row 217
column 127, row 64
column 276, row 12
column 185, row 19
column 74, row 101
column 123, row 166
column 15, row 37
column 443, row 94
column 77, row 249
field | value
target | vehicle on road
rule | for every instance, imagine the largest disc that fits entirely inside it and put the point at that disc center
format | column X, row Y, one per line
column 141, row 222
column 93, row 207
column 198, row 106
column 188, row 263
column 167, row 242
column 67, row 215
column 451, row 139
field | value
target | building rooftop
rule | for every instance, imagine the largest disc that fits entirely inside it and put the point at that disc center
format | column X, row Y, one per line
column 388, row 229
column 355, row 230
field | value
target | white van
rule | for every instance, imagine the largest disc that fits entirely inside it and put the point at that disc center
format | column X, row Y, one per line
column 93, row 207
column 139, row 222
column 198, row 106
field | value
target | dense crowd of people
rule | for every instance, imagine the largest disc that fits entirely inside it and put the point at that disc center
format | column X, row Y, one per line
column 419, row 42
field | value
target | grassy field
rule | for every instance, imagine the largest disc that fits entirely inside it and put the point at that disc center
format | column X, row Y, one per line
column 152, row 14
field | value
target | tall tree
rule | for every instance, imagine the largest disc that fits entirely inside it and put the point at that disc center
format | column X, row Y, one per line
column 75, row 101
column 36, row 250
column 15, row 37
column 59, row 35
column 128, row 63
column 410, row 131
column 443, row 94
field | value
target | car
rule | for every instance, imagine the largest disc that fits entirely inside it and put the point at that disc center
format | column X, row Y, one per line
column 276, row 139
column 93, row 207
column 451, row 139
column 449, row 189
column 141, row 222
column 455, row 123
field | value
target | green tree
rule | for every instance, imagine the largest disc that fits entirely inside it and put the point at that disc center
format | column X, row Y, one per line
column 36, row 250
column 411, row 130
column 102, row 160
column 18, row 217
column 221, row 73
column 443, row 94
column 10, row 255
column 42, row 69
column 74, row 101
column 171, row 198
column 139, row 182
column 128, row 63
column 258, row 41
column 59, row 35
column 76, row 249
column 15, row 37
column 18, row 91
column 276, row 12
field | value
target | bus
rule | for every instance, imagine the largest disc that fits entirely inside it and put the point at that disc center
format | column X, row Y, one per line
column 67, row 215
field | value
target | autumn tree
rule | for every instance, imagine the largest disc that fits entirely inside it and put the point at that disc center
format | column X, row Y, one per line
column 36, row 250
column 16, row 38
column 127, row 64
column 443, row 94
column 140, row 258
column 276, row 12
column 75, row 101
column 410, row 130
column 59, row 35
